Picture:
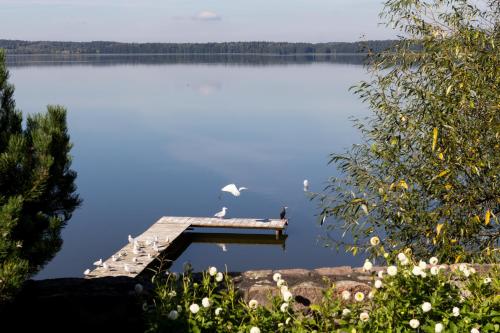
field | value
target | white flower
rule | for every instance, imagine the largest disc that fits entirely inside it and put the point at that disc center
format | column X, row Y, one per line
column 284, row 307
column 392, row 270
column 422, row 264
column 280, row 282
column 466, row 272
column 219, row 277
column 287, row 321
column 283, row 289
column 218, row 311
column 194, row 308
column 212, row 271
column 380, row 274
column 456, row 312
column 363, row 316
column 173, row 315
column 434, row 270
column 474, row 330
column 346, row 312
column 378, row 284
column 206, row 302
column 375, row 241
column 472, row 270
column 276, row 277
column 487, row 280
column 417, row 271
column 287, row 296
column 346, row 295
column 433, row 261
column 367, row 265
column 462, row 267
column 403, row 259
column 255, row 329
column 438, row 328
column 414, row 323
column 426, row 306
column 253, row 304
column 173, row 293
column 359, row 296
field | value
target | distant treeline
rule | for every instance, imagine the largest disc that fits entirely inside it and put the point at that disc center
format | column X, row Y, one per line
column 278, row 48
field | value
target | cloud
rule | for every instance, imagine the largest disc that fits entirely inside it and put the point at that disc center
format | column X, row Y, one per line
column 207, row 15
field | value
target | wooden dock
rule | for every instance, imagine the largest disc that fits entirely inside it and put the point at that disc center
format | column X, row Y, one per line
column 135, row 256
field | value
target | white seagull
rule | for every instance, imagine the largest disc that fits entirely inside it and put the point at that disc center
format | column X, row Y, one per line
column 98, row 262
column 306, row 185
column 87, row 272
column 222, row 213
column 130, row 239
column 231, row 188
column 223, row 247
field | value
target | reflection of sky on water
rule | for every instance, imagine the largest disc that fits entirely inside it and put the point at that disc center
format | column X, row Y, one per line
column 163, row 139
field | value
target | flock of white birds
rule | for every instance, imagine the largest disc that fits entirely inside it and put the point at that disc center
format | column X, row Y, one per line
column 153, row 243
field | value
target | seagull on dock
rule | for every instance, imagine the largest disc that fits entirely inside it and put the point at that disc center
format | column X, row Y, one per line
column 98, row 262
column 306, row 185
column 222, row 213
column 231, row 188
column 87, row 272
column 283, row 214
column 105, row 266
column 130, row 239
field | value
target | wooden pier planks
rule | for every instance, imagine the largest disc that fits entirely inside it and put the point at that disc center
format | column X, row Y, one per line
column 166, row 230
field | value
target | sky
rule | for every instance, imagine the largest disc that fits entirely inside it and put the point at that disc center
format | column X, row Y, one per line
column 192, row 20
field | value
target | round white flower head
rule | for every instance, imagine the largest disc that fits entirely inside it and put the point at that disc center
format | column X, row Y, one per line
column 434, row 270
column 253, row 304
column 378, row 284
column 255, row 329
column 280, row 282
column 455, row 312
column 438, row 328
column 206, row 302
column 346, row 312
column 363, row 316
column 426, row 306
column 346, row 295
column 218, row 311
column 194, row 308
column 462, row 267
column 487, row 280
column 219, row 277
column 474, row 330
column 414, row 323
column 173, row 315
column 287, row 321
column 283, row 289
column 287, row 296
column 402, row 257
column 466, row 273
column 392, row 270
column 374, row 241
column 276, row 277
column 433, row 261
column 284, row 307
column 380, row 274
column 472, row 270
column 179, row 308
column 359, row 296
column 417, row 271
column 212, row 271
column 422, row 264
column 367, row 265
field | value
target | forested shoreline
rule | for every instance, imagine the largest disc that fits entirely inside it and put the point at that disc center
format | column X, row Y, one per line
column 105, row 47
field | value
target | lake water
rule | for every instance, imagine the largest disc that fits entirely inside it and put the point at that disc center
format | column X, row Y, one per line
column 156, row 136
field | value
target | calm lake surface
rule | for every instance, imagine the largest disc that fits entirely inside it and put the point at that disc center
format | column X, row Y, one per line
column 156, row 136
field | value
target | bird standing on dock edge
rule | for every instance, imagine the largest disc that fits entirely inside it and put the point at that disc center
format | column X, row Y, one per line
column 283, row 214
column 222, row 213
